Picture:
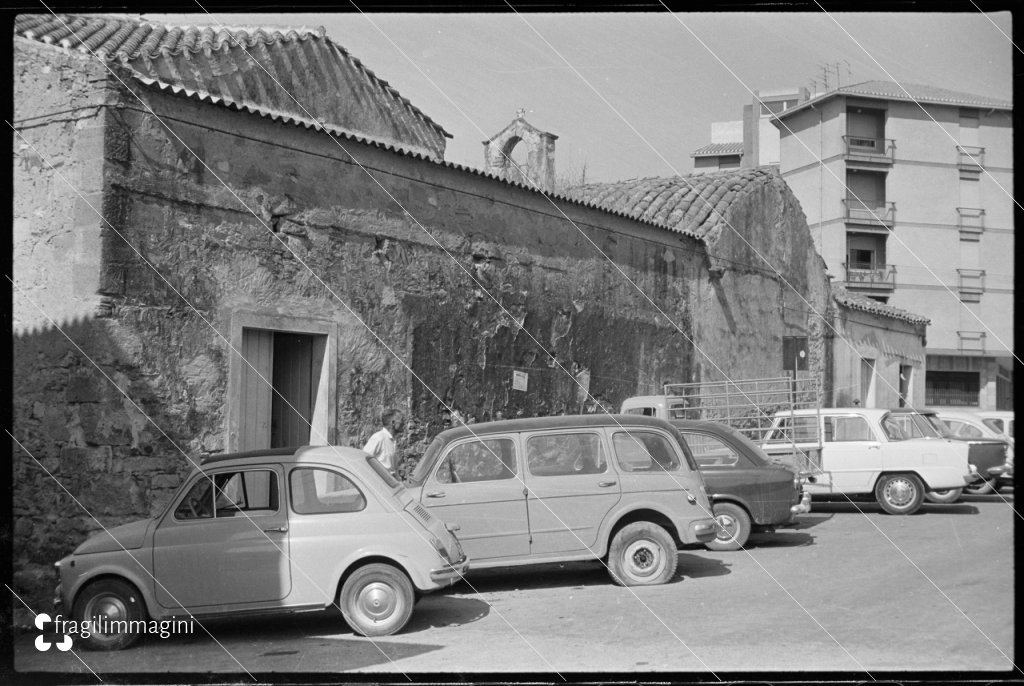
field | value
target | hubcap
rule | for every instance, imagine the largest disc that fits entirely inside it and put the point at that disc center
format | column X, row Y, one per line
column 899, row 492
column 377, row 601
column 727, row 527
column 644, row 559
column 103, row 609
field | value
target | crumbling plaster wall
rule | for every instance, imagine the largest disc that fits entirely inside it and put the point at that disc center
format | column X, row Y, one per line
column 765, row 281
column 213, row 212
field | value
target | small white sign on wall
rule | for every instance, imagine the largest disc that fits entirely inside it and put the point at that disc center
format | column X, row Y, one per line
column 519, row 380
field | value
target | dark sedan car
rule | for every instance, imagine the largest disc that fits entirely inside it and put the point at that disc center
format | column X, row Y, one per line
column 748, row 492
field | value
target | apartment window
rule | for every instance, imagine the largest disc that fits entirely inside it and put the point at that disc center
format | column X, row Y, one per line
column 946, row 389
column 971, row 284
column 281, row 385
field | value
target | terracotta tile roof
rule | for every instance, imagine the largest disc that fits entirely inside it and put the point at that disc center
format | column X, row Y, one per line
column 909, row 92
column 715, row 149
column 855, row 301
column 694, row 205
column 255, row 68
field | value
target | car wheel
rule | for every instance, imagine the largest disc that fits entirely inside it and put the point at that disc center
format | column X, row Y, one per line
column 377, row 600
column 899, row 493
column 981, row 487
column 108, row 604
column 642, row 554
column 732, row 527
column 949, row 495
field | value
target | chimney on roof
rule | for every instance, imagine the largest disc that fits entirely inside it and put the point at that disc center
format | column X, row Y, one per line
column 537, row 170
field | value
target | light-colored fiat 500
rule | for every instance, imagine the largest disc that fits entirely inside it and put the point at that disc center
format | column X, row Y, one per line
column 276, row 530
column 623, row 489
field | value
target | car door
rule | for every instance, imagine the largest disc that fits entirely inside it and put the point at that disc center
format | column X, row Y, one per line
column 224, row 542
column 571, row 486
column 851, row 453
column 478, row 485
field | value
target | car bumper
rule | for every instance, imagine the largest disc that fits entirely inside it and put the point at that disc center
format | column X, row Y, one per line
column 704, row 530
column 446, row 576
column 803, row 507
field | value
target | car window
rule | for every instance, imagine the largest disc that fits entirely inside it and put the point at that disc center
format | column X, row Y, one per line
column 995, row 425
column 642, row 411
column 845, row 429
column 230, row 494
column 489, row 460
column 644, row 451
column 963, row 429
column 564, row 454
column 321, row 491
column 796, row 429
column 712, row 451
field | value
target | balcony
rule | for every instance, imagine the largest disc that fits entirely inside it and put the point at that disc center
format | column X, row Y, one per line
column 870, row 277
column 971, row 223
column 971, row 284
column 870, row 153
column 869, row 215
column 971, row 161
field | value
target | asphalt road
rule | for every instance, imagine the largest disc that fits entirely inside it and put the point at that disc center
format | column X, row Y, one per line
column 850, row 590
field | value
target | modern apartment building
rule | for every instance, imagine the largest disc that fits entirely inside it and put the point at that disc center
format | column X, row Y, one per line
column 908, row 191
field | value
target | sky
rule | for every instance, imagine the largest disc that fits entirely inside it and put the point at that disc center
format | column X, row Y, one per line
column 631, row 95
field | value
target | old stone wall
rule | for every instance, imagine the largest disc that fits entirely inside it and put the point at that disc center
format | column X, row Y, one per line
column 765, row 282
column 441, row 283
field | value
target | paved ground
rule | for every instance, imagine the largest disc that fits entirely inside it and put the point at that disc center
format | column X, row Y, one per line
column 862, row 593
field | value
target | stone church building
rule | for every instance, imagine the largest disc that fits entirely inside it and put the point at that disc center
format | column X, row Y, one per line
column 202, row 264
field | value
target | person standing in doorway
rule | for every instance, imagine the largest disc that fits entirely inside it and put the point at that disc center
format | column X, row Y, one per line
column 382, row 444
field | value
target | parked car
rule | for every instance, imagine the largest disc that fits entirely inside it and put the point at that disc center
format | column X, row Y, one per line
column 267, row 531
column 1000, row 421
column 747, row 490
column 856, row 450
column 987, row 455
column 554, row 489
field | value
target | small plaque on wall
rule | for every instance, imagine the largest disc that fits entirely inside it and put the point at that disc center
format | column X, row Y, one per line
column 519, row 380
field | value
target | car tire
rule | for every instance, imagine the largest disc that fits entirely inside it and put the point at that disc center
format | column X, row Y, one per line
column 732, row 527
column 108, row 600
column 949, row 495
column 377, row 600
column 900, row 494
column 981, row 487
column 642, row 554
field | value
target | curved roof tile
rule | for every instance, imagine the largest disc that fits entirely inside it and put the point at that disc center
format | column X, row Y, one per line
column 687, row 204
column 244, row 65
column 855, row 301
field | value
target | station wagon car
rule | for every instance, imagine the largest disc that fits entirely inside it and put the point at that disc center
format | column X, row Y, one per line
column 555, row 489
column 747, row 491
column 267, row 531
column 856, row 450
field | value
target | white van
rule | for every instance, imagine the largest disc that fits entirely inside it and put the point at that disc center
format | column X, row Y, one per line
column 863, row 451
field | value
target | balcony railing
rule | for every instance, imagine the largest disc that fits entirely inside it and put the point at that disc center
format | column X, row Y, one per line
column 971, row 160
column 869, row 213
column 971, row 156
column 866, row 149
column 877, row 277
column 972, row 223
